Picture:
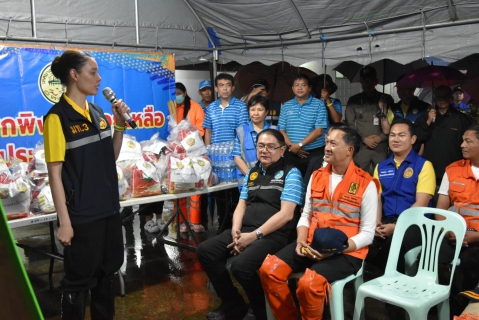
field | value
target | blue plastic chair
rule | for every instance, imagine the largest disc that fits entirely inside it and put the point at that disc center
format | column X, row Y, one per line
column 419, row 293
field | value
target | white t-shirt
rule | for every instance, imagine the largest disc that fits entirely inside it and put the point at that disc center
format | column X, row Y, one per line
column 444, row 188
column 369, row 210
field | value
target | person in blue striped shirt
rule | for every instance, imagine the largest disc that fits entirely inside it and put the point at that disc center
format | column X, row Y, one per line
column 226, row 114
column 222, row 118
column 303, row 121
column 263, row 223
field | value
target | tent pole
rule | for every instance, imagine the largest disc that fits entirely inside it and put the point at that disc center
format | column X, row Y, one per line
column 201, row 23
column 137, row 23
column 215, row 71
column 300, row 18
column 34, row 19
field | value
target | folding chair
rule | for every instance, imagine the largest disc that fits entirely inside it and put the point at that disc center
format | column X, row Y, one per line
column 419, row 293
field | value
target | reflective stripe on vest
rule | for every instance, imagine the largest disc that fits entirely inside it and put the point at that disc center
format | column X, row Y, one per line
column 87, row 140
column 341, row 210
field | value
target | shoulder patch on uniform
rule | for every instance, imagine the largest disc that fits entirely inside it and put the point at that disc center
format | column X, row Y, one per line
column 353, row 188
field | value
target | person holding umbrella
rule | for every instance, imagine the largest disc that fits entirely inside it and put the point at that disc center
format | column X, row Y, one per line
column 443, row 130
column 325, row 87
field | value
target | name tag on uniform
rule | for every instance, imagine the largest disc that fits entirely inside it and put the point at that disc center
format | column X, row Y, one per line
column 386, row 173
column 375, row 121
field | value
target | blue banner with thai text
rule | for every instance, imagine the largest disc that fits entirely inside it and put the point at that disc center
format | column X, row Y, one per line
column 144, row 80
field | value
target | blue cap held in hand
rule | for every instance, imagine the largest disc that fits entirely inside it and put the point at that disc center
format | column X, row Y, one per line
column 329, row 240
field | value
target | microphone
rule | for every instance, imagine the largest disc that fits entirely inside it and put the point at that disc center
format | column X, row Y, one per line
column 110, row 96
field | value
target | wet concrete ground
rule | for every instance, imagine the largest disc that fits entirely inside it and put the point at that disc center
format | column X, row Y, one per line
column 161, row 282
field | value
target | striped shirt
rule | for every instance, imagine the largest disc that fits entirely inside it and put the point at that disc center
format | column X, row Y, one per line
column 224, row 121
column 299, row 120
column 293, row 190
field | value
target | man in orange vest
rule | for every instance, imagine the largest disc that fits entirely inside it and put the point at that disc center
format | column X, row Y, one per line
column 458, row 193
column 339, row 196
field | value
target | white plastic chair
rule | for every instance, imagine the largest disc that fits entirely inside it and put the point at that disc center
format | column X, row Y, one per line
column 419, row 293
column 336, row 300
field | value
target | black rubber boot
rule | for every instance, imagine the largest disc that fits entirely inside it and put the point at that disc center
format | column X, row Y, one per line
column 102, row 305
column 74, row 304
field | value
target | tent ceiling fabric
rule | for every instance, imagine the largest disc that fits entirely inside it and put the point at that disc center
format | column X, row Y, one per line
column 169, row 25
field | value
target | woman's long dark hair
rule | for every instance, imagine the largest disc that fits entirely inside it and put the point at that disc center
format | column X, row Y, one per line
column 187, row 102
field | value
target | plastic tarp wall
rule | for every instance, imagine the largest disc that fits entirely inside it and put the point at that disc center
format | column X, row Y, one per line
column 237, row 26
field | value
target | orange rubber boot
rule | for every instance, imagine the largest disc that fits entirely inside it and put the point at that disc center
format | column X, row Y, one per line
column 312, row 294
column 195, row 209
column 274, row 273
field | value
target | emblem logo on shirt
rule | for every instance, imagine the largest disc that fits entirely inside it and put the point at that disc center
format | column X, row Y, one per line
column 253, row 176
column 130, row 144
column 408, row 173
column 353, row 188
column 102, row 123
column 414, row 111
column 278, row 174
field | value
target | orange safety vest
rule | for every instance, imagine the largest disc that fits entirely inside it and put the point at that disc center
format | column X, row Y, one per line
column 343, row 210
column 463, row 192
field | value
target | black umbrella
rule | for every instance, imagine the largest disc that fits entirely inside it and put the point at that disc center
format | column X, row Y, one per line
column 469, row 63
column 349, row 69
column 388, row 71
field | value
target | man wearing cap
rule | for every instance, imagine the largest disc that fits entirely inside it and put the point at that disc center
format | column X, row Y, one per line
column 206, row 94
column 222, row 118
column 339, row 196
column 458, row 193
column 261, row 87
column 302, row 122
column 406, row 180
column 409, row 107
column 457, row 97
column 443, row 128
column 363, row 114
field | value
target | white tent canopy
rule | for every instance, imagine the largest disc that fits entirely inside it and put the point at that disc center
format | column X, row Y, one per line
column 269, row 31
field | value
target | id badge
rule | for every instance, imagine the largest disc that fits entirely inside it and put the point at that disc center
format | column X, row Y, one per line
column 375, row 120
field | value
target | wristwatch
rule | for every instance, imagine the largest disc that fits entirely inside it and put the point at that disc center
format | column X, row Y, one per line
column 259, row 234
column 300, row 145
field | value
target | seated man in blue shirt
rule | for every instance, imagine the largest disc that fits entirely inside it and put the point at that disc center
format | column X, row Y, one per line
column 262, row 223
column 406, row 180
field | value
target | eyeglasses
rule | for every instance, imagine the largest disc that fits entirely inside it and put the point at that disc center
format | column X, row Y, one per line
column 269, row 147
